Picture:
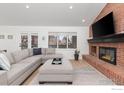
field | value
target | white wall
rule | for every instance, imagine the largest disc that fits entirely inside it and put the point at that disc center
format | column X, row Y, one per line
column 12, row 45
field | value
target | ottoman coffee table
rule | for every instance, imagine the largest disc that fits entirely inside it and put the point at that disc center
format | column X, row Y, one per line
column 56, row 73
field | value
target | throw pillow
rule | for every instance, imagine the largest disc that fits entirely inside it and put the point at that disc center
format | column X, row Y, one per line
column 4, row 62
column 36, row 51
column 1, row 68
column 9, row 57
column 30, row 52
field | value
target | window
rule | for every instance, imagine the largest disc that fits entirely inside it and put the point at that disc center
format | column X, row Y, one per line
column 52, row 41
column 62, row 40
column 34, row 40
column 24, row 41
column 72, row 41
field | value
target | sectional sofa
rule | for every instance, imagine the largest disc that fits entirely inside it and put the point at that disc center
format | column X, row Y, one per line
column 23, row 63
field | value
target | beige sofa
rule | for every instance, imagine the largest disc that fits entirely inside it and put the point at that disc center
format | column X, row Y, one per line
column 23, row 63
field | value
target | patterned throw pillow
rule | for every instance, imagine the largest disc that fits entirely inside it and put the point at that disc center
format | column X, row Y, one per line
column 1, row 68
column 4, row 62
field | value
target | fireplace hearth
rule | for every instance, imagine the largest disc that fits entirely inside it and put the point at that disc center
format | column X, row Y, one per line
column 108, row 54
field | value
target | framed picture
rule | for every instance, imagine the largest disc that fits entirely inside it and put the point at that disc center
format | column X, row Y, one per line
column 2, row 36
column 10, row 36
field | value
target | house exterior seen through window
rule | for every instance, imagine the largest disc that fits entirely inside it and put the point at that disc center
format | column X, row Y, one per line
column 62, row 40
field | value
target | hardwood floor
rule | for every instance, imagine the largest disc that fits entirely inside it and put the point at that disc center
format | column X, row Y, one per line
column 79, row 64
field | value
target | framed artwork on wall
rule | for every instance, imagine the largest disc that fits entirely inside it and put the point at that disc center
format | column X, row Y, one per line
column 2, row 37
column 10, row 36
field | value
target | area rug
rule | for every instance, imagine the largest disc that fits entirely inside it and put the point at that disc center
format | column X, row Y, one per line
column 83, row 76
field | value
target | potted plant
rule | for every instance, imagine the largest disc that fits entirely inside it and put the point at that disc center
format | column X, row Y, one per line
column 76, row 55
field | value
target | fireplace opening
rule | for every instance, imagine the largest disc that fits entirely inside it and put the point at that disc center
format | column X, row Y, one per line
column 108, row 54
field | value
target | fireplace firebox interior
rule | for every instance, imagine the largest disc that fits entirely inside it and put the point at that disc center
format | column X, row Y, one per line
column 108, row 54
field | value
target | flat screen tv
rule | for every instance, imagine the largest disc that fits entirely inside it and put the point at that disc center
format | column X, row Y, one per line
column 104, row 26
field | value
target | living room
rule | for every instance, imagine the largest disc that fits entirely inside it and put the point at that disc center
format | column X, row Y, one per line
column 62, row 44
column 61, row 35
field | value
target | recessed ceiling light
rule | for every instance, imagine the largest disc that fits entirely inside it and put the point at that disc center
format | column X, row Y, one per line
column 83, row 20
column 70, row 7
column 27, row 6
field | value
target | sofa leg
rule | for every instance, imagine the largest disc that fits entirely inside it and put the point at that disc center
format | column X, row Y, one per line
column 70, row 83
column 41, row 82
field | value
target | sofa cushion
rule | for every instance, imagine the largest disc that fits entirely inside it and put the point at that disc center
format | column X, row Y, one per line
column 30, row 50
column 21, row 67
column 51, row 56
column 17, row 70
column 10, row 57
column 32, row 59
column 3, row 78
column 43, row 51
column 37, row 51
column 50, row 50
column 20, row 55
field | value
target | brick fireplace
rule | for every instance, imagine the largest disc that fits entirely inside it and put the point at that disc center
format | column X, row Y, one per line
column 117, row 52
column 119, row 47
column 107, row 55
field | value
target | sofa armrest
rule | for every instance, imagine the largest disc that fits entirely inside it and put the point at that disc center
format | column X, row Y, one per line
column 3, row 77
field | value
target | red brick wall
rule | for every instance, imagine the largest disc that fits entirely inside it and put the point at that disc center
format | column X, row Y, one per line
column 113, row 72
column 118, row 13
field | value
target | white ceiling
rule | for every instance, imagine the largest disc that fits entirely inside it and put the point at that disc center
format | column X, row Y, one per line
column 49, row 14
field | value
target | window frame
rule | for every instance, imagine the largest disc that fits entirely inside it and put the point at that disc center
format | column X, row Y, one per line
column 67, row 37
column 34, row 34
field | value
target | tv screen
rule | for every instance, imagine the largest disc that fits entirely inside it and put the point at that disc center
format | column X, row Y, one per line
column 104, row 26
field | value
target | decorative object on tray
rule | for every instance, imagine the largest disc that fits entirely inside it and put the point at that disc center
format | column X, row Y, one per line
column 76, row 55
column 57, row 61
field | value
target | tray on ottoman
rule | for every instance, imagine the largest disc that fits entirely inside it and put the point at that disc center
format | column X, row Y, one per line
column 57, row 61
